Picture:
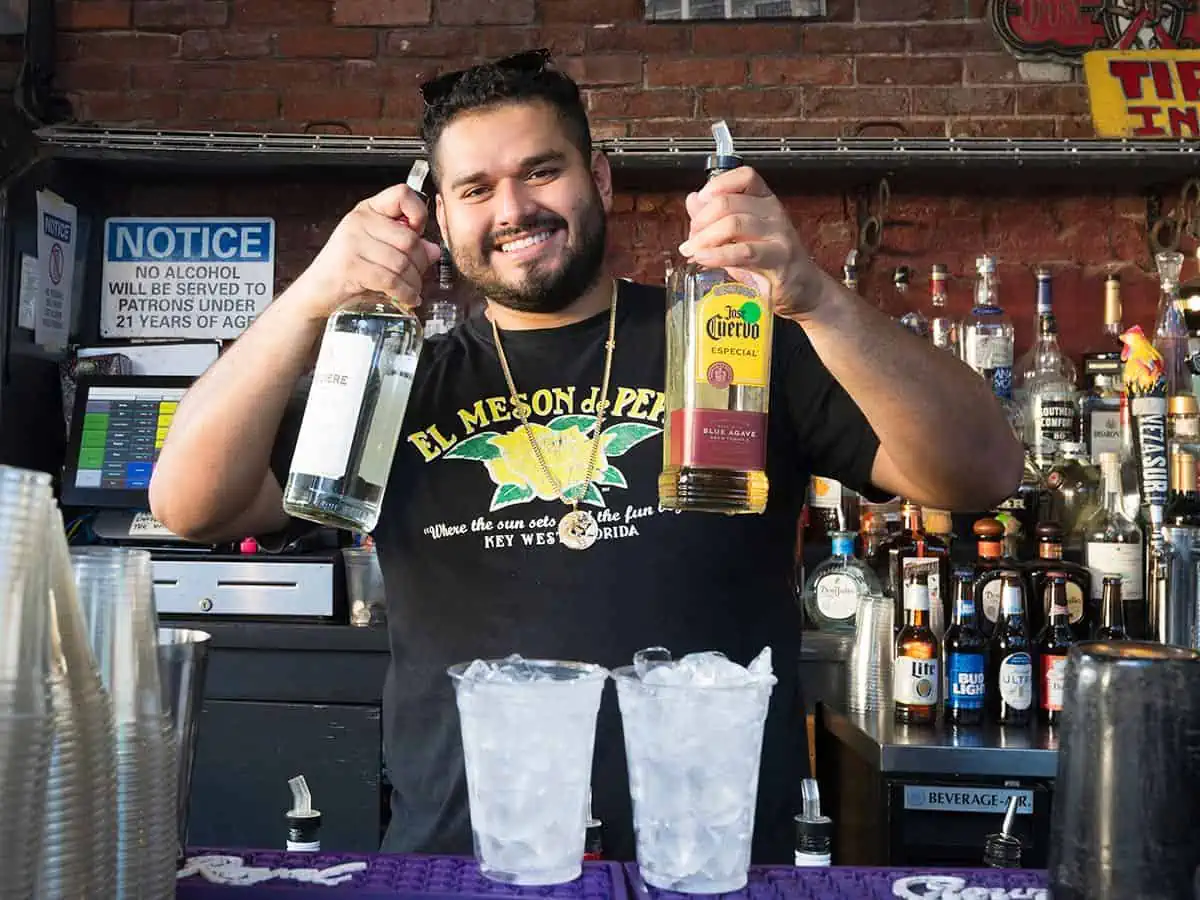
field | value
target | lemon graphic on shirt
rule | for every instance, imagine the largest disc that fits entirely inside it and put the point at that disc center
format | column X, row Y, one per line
column 566, row 445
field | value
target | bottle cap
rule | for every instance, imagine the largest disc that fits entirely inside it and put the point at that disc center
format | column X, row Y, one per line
column 988, row 529
column 938, row 272
column 986, row 265
column 1183, row 405
column 814, row 832
column 725, row 158
column 1048, row 531
column 901, row 276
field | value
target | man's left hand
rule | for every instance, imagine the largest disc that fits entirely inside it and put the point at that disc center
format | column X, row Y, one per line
column 738, row 224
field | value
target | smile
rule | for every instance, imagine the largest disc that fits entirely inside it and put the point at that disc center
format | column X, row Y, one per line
column 524, row 243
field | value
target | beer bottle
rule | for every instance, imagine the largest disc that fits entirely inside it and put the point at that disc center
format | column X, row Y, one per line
column 965, row 650
column 1052, row 646
column 1010, row 682
column 1112, row 612
column 915, row 673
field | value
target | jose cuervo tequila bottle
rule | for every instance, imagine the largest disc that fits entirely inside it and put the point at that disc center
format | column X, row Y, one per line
column 718, row 379
column 355, row 409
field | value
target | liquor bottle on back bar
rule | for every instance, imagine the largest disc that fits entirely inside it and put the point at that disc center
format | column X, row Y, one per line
column 965, row 651
column 1112, row 612
column 1045, row 383
column 915, row 678
column 1010, row 676
column 717, row 383
column 1114, row 542
column 1083, row 611
column 902, row 554
column 355, row 408
column 1053, row 644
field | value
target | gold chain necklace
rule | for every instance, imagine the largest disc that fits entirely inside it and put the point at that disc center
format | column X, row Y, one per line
column 578, row 529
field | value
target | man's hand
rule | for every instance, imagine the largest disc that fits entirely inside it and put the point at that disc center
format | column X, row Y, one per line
column 377, row 247
column 738, row 224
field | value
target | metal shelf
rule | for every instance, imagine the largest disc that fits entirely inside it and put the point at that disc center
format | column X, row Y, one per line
column 235, row 152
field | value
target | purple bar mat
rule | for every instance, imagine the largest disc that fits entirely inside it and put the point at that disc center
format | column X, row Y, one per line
column 838, row 883
column 395, row 877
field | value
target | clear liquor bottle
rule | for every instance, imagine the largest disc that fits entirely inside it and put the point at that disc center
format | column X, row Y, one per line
column 1114, row 542
column 1170, row 333
column 717, row 384
column 1047, row 382
column 355, row 410
column 943, row 330
column 835, row 587
column 988, row 338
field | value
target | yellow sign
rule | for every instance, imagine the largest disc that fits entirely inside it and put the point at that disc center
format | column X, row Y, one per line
column 735, row 337
column 1144, row 93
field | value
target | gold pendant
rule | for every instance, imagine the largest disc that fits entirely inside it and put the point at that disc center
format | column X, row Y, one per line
column 578, row 529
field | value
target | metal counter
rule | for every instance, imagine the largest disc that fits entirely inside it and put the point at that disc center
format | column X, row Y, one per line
column 991, row 750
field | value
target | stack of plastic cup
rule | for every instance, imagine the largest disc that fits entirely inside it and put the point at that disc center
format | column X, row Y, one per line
column 869, row 672
column 114, row 588
column 25, row 710
column 78, row 852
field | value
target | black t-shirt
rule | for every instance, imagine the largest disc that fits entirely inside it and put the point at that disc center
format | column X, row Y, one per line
column 468, row 546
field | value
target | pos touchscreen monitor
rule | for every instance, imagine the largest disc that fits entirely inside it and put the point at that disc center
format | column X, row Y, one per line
column 117, row 430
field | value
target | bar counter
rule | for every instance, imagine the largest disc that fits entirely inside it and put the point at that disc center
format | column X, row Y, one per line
column 413, row 877
column 903, row 795
column 988, row 749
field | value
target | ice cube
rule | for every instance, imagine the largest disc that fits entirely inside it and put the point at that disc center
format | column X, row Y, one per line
column 478, row 670
column 650, row 658
column 760, row 666
column 711, row 669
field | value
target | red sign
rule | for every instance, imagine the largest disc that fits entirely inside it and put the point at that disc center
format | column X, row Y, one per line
column 1066, row 29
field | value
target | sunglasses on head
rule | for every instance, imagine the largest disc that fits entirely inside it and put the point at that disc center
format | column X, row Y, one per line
column 437, row 89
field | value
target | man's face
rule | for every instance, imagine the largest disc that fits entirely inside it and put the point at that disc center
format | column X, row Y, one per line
column 519, row 207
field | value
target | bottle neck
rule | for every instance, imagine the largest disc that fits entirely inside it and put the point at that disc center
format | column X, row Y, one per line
column 990, row 549
column 1112, row 612
column 985, row 290
column 964, row 606
column 912, row 519
column 1050, row 550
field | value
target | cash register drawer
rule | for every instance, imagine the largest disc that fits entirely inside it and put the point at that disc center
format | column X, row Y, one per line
column 258, row 589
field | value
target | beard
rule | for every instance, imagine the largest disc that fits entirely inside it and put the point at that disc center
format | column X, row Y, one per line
column 540, row 290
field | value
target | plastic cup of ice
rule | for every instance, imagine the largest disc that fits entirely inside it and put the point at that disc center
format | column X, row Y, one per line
column 528, row 732
column 693, row 744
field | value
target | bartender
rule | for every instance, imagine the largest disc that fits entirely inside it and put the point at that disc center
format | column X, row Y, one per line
column 468, row 539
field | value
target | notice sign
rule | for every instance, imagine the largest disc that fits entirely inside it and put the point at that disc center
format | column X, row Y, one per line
column 56, row 237
column 1144, row 93
column 205, row 278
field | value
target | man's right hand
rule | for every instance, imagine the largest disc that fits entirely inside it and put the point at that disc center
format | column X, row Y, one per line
column 376, row 247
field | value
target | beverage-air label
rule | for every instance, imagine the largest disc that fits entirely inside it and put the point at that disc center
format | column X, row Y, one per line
column 1115, row 559
column 837, row 596
column 734, row 327
column 334, row 400
column 965, row 680
column 1016, row 680
column 1054, row 671
column 915, row 681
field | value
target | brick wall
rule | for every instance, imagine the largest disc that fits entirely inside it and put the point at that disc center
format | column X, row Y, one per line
column 930, row 67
